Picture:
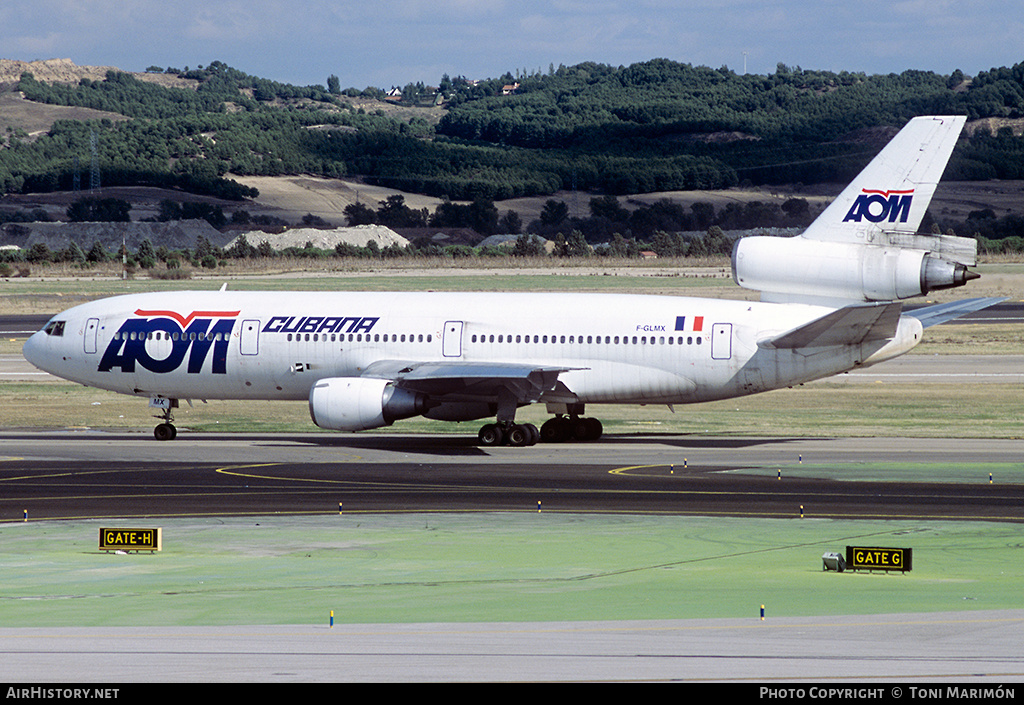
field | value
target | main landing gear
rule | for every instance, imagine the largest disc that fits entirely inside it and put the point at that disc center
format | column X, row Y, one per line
column 557, row 430
column 516, row 435
column 570, row 428
column 567, row 425
column 166, row 430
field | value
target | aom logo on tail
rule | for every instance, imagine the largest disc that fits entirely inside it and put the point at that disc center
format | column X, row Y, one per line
column 875, row 206
column 160, row 340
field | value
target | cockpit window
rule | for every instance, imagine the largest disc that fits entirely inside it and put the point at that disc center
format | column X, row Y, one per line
column 55, row 328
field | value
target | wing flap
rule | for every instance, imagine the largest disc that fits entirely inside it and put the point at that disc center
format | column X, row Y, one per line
column 470, row 380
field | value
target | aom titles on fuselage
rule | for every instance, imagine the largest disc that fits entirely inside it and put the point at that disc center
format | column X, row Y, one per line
column 830, row 303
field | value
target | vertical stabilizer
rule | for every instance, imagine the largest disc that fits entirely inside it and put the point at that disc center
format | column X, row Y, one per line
column 892, row 193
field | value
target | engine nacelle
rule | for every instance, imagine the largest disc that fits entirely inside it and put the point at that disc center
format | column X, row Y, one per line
column 841, row 270
column 360, row 403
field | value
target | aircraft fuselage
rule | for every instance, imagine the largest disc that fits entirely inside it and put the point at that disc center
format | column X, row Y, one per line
column 257, row 345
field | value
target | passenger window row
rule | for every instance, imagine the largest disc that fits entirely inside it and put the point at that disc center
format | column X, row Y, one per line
column 362, row 337
column 163, row 335
column 590, row 339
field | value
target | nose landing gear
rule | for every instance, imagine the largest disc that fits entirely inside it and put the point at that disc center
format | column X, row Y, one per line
column 166, row 430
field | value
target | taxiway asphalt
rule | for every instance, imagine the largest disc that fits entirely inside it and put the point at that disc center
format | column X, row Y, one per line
column 93, row 474
column 887, row 654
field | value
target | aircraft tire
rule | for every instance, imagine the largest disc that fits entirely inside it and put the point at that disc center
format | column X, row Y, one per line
column 165, row 432
column 580, row 430
column 586, row 429
column 522, row 435
column 555, row 430
column 519, row 436
column 491, row 435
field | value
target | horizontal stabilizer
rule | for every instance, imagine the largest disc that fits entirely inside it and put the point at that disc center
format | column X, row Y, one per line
column 851, row 325
column 942, row 313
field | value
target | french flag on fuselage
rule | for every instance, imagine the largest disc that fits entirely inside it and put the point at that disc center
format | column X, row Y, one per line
column 698, row 323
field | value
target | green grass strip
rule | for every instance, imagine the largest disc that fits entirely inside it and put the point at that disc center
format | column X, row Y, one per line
column 469, row 567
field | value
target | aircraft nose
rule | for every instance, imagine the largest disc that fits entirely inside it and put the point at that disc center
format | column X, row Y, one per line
column 35, row 350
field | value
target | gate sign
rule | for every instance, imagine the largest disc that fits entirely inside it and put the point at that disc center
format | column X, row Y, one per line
column 876, row 558
column 131, row 539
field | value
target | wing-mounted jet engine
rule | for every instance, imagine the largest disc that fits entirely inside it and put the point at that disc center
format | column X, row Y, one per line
column 361, row 403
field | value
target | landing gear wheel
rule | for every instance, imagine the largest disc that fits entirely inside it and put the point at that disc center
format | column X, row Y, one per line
column 562, row 428
column 491, row 435
column 534, row 433
column 523, row 435
column 580, row 429
column 594, row 429
column 165, row 432
column 555, row 430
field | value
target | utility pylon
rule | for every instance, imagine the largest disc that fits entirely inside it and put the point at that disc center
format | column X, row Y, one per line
column 94, row 169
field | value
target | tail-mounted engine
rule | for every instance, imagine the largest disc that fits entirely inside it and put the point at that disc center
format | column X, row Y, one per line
column 797, row 268
column 360, row 403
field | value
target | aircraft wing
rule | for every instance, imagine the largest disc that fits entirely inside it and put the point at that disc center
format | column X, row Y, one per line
column 850, row 325
column 469, row 380
column 941, row 313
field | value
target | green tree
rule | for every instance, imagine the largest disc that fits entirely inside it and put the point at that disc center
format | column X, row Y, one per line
column 716, row 241
column 97, row 210
column 554, row 213
column 75, row 254
column 528, row 246
column 359, row 214
column 608, row 207
column 395, row 214
column 621, row 247
column 97, row 253
column 241, row 249
column 203, row 250
column 146, row 255
column 576, row 245
column 510, row 223
column 39, row 252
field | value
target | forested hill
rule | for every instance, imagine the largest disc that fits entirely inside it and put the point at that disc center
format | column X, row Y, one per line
column 653, row 126
column 790, row 126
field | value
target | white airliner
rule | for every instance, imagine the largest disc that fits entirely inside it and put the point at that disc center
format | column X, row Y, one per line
column 830, row 303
